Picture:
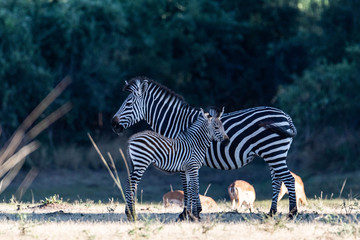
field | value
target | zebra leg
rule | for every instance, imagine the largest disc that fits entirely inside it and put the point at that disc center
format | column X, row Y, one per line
column 131, row 188
column 289, row 182
column 283, row 175
column 194, row 204
column 183, row 215
column 198, row 205
column 276, row 184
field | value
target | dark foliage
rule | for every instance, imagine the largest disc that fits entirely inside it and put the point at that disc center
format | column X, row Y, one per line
column 235, row 54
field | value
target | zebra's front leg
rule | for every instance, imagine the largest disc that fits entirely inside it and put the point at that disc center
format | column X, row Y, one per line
column 183, row 215
column 131, row 188
column 194, row 204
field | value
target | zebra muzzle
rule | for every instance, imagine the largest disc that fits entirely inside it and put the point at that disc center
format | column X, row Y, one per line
column 116, row 127
column 226, row 141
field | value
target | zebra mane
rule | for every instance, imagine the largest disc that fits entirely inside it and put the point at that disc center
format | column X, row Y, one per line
column 129, row 86
column 213, row 111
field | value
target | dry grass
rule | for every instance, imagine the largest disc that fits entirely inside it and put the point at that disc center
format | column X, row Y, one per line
column 21, row 144
column 322, row 219
column 80, row 230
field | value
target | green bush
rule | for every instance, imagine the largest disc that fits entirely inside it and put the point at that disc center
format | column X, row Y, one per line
column 325, row 105
column 23, row 79
column 214, row 46
column 43, row 41
column 213, row 52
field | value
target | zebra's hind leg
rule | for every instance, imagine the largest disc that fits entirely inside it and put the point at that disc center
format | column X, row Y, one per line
column 284, row 175
column 289, row 182
column 276, row 184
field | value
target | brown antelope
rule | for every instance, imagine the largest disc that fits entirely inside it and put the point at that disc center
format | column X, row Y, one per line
column 207, row 202
column 177, row 198
column 243, row 193
column 174, row 197
column 299, row 191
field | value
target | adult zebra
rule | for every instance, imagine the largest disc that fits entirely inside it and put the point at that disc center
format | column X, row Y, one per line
column 262, row 131
column 184, row 154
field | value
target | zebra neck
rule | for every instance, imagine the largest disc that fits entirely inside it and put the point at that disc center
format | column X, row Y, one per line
column 167, row 114
column 198, row 135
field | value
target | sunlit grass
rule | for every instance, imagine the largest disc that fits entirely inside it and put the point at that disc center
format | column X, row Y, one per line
column 87, row 219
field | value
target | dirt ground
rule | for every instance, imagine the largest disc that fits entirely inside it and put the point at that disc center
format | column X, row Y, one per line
column 321, row 219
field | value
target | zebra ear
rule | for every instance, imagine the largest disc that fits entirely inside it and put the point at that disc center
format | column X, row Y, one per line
column 142, row 88
column 127, row 87
column 205, row 115
column 223, row 109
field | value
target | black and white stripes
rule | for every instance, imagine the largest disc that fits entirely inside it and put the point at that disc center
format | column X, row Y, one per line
column 262, row 131
column 184, row 154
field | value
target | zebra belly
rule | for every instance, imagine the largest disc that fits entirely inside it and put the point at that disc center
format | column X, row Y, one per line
column 172, row 162
column 173, row 168
column 170, row 171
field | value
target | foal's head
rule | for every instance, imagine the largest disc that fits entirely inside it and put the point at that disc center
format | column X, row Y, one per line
column 215, row 125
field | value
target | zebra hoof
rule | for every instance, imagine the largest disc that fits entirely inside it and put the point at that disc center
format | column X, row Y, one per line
column 272, row 213
column 192, row 217
column 183, row 216
column 131, row 215
column 293, row 212
column 131, row 218
column 188, row 216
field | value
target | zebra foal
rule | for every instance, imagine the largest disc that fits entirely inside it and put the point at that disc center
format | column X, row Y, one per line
column 184, row 154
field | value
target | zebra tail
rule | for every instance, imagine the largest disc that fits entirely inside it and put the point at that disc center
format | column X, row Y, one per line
column 281, row 130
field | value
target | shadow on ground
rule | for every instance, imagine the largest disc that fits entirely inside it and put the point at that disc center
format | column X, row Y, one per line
column 220, row 217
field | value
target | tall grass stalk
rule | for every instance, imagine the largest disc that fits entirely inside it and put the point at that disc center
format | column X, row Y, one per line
column 29, row 178
column 12, row 156
column 126, row 164
column 113, row 173
column 207, row 189
column 342, row 188
column 19, row 134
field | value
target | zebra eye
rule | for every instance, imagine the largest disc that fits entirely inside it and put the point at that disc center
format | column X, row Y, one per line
column 130, row 102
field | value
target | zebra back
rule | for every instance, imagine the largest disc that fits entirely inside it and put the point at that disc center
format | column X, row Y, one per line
column 169, row 115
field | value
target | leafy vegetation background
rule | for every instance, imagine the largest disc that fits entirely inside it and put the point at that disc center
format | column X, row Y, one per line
column 302, row 56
